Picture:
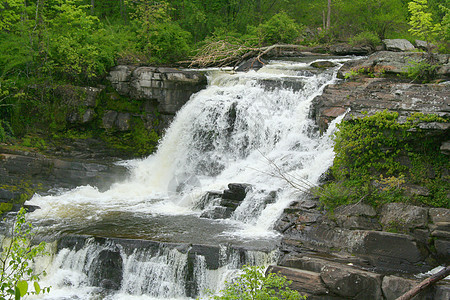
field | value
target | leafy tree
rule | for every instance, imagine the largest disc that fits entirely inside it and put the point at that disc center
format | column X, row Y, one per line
column 279, row 29
column 378, row 16
column 16, row 258
column 421, row 21
column 253, row 284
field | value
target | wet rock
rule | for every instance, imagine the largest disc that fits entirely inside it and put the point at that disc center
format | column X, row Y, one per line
column 218, row 212
column 398, row 45
column 236, row 191
column 323, row 64
column 251, row 64
column 352, row 283
column 403, row 217
column 207, row 198
column 107, row 270
column 285, row 83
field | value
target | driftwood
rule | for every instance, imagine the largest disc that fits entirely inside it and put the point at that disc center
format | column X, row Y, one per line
column 426, row 283
column 223, row 53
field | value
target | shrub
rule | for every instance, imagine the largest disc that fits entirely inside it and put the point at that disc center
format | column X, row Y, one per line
column 366, row 38
column 377, row 157
column 254, row 284
column 279, row 29
column 16, row 259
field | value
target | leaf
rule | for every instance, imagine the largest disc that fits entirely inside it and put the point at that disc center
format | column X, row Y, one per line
column 37, row 287
column 22, row 286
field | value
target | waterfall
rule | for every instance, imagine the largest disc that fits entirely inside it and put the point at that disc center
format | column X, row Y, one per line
column 243, row 128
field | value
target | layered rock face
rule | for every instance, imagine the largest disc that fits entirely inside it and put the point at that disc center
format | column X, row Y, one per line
column 162, row 90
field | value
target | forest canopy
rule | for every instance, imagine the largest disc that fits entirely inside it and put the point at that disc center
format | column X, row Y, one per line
column 44, row 43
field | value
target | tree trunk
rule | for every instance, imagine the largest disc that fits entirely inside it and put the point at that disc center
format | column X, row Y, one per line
column 92, row 6
column 329, row 15
column 426, row 283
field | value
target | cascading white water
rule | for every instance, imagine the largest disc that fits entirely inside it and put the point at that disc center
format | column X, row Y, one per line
column 245, row 128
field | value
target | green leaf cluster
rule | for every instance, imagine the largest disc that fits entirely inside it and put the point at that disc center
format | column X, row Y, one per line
column 376, row 155
column 253, row 284
column 18, row 278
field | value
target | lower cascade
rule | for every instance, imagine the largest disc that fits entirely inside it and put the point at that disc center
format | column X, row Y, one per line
column 189, row 216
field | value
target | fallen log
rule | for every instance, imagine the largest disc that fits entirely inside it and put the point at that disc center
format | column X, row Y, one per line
column 426, row 283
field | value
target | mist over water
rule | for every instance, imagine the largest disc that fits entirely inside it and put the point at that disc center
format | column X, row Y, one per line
column 243, row 128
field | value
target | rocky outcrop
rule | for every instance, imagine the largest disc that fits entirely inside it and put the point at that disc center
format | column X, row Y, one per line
column 348, row 254
column 393, row 63
column 370, row 95
column 169, row 88
column 23, row 173
column 398, row 45
column 221, row 205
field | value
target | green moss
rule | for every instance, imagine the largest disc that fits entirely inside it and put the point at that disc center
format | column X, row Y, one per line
column 377, row 157
column 5, row 207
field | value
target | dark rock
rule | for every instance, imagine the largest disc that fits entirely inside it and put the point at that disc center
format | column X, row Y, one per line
column 393, row 287
column 218, row 212
column 122, row 121
column 403, row 217
column 442, row 292
column 107, row 272
column 236, row 191
column 359, row 209
column 88, row 116
column 398, row 45
column 207, row 198
column 445, row 148
column 284, row 83
column 6, row 196
column 389, row 251
column 109, row 119
column 352, row 283
column 442, row 249
column 323, row 64
column 302, row 281
column 251, row 64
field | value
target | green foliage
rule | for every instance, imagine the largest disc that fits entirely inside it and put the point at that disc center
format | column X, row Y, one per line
column 379, row 16
column 18, row 278
column 421, row 71
column 253, row 284
column 366, row 38
column 279, row 29
column 421, row 21
column 168, row 43
column 370, row 162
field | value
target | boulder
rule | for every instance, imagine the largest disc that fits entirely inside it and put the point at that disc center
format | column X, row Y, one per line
column 251, row 64
column 352, row 283
column 403, row 217
column 398, row 45
column 302, row 281
column 323, row 64
column 393, row 287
